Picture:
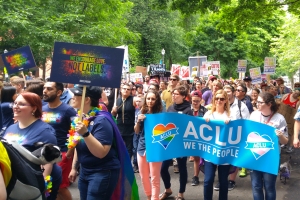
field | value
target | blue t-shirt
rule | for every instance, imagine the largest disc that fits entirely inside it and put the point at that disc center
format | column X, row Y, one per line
column 7, row 114
column 38, row 131
column 102, row 130
column 60, row 119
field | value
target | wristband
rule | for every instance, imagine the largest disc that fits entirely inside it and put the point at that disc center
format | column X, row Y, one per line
column 86, row 134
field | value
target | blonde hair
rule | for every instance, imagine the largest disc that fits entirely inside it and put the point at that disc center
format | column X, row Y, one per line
column 227, row 104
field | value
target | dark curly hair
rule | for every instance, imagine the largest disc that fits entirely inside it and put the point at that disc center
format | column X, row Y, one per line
column 157, row 107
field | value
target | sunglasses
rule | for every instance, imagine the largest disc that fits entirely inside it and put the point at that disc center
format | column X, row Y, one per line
column 221, row 99
column 239, row 90
column 173, row 79
column 133, row 88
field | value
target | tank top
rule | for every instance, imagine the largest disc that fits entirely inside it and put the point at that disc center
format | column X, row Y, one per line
column 288, row 102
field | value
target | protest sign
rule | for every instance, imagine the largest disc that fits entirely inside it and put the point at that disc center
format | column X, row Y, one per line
column 242, row 143
column 157, row 69
column 242, row 66
column 184, row 73
column 255, row 74
column 175, row 69
column 136, row 77
column 141, row 69
column 125, row 67
column 87, row 64
column 269, row 65
column 196, row 61
column 211, row 68
column 18, row 60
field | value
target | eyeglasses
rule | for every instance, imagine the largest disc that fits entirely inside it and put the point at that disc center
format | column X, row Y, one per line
column 221, row 99
column 260, row 102
column 133, row 89
column 128, row 89
column 175, row 94
column 239, row 90
column 173, row 79
column 19, row 104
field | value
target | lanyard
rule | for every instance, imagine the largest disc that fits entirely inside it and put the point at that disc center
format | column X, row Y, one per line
column 268, row 119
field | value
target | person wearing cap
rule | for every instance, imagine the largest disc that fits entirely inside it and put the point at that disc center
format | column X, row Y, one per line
column 208, row 95
column 58, row 115
column 248, row 83
column 96, row 152
column 280, row 83
column 198, row 111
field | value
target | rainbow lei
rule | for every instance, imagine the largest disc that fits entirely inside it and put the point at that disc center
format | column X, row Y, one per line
column 48, row 185
column 73, row 136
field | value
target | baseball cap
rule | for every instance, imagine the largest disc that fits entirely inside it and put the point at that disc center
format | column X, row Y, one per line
column 93, row 92
column 196, row 93
column 247, row 78
column 212, row 78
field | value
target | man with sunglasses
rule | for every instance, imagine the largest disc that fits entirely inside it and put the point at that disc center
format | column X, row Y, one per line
column 241, row 94
column 166, row 95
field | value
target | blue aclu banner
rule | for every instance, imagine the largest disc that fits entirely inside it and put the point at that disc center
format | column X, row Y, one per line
column 242, row 143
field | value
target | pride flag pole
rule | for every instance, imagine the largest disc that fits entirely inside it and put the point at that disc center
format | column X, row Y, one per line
column 82, row 102
column 116, row 94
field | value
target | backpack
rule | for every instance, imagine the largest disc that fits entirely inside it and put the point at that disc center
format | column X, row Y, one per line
column 27, row 181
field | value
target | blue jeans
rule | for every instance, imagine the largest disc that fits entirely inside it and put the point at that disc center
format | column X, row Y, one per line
column 260, row 180
column 136, row 138
column 209, row 177
column 99, row 185
column 164, row 173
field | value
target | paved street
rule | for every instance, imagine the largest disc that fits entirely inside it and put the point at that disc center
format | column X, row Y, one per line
column 290, row 191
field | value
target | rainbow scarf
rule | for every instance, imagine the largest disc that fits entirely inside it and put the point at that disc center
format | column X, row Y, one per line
column 126, row 188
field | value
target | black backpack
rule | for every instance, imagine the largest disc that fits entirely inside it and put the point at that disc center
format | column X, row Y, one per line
column 27, row 181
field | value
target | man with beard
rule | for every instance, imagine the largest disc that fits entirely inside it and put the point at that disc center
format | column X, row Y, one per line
column 58, row 114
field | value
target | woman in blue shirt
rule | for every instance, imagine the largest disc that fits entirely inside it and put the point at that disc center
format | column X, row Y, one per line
column 30, row 129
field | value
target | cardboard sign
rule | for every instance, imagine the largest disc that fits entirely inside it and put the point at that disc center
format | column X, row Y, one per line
column 1, row 63
column 255, row 74
column 185, row 73
column 141, row 69
column 269, row 65
column 18, row 60
column 87, row 64
column 155, row 69
column 136, row 77
column 242, row 66
column 196, row 61
column 175, row 69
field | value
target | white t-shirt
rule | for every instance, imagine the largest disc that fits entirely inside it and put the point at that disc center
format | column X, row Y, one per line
column 216, row 115
column 277, row 121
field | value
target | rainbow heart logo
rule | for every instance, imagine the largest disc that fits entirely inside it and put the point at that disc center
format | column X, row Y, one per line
column 258, row 144
column 164, row 134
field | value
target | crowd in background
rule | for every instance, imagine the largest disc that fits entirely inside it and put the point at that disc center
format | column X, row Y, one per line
column 210, row 98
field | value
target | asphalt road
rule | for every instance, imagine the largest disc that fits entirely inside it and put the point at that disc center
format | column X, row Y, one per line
column 242, row 191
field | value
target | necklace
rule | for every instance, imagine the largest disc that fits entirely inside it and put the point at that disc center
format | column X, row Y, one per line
column 73, row 136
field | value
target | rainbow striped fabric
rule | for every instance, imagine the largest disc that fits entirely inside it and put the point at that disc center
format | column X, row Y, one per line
column 127, row 188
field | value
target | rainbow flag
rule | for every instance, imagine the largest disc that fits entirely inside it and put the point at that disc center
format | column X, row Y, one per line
column 127, row 188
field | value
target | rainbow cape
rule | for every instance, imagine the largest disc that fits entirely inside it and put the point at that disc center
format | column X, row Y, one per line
column 126, row 188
